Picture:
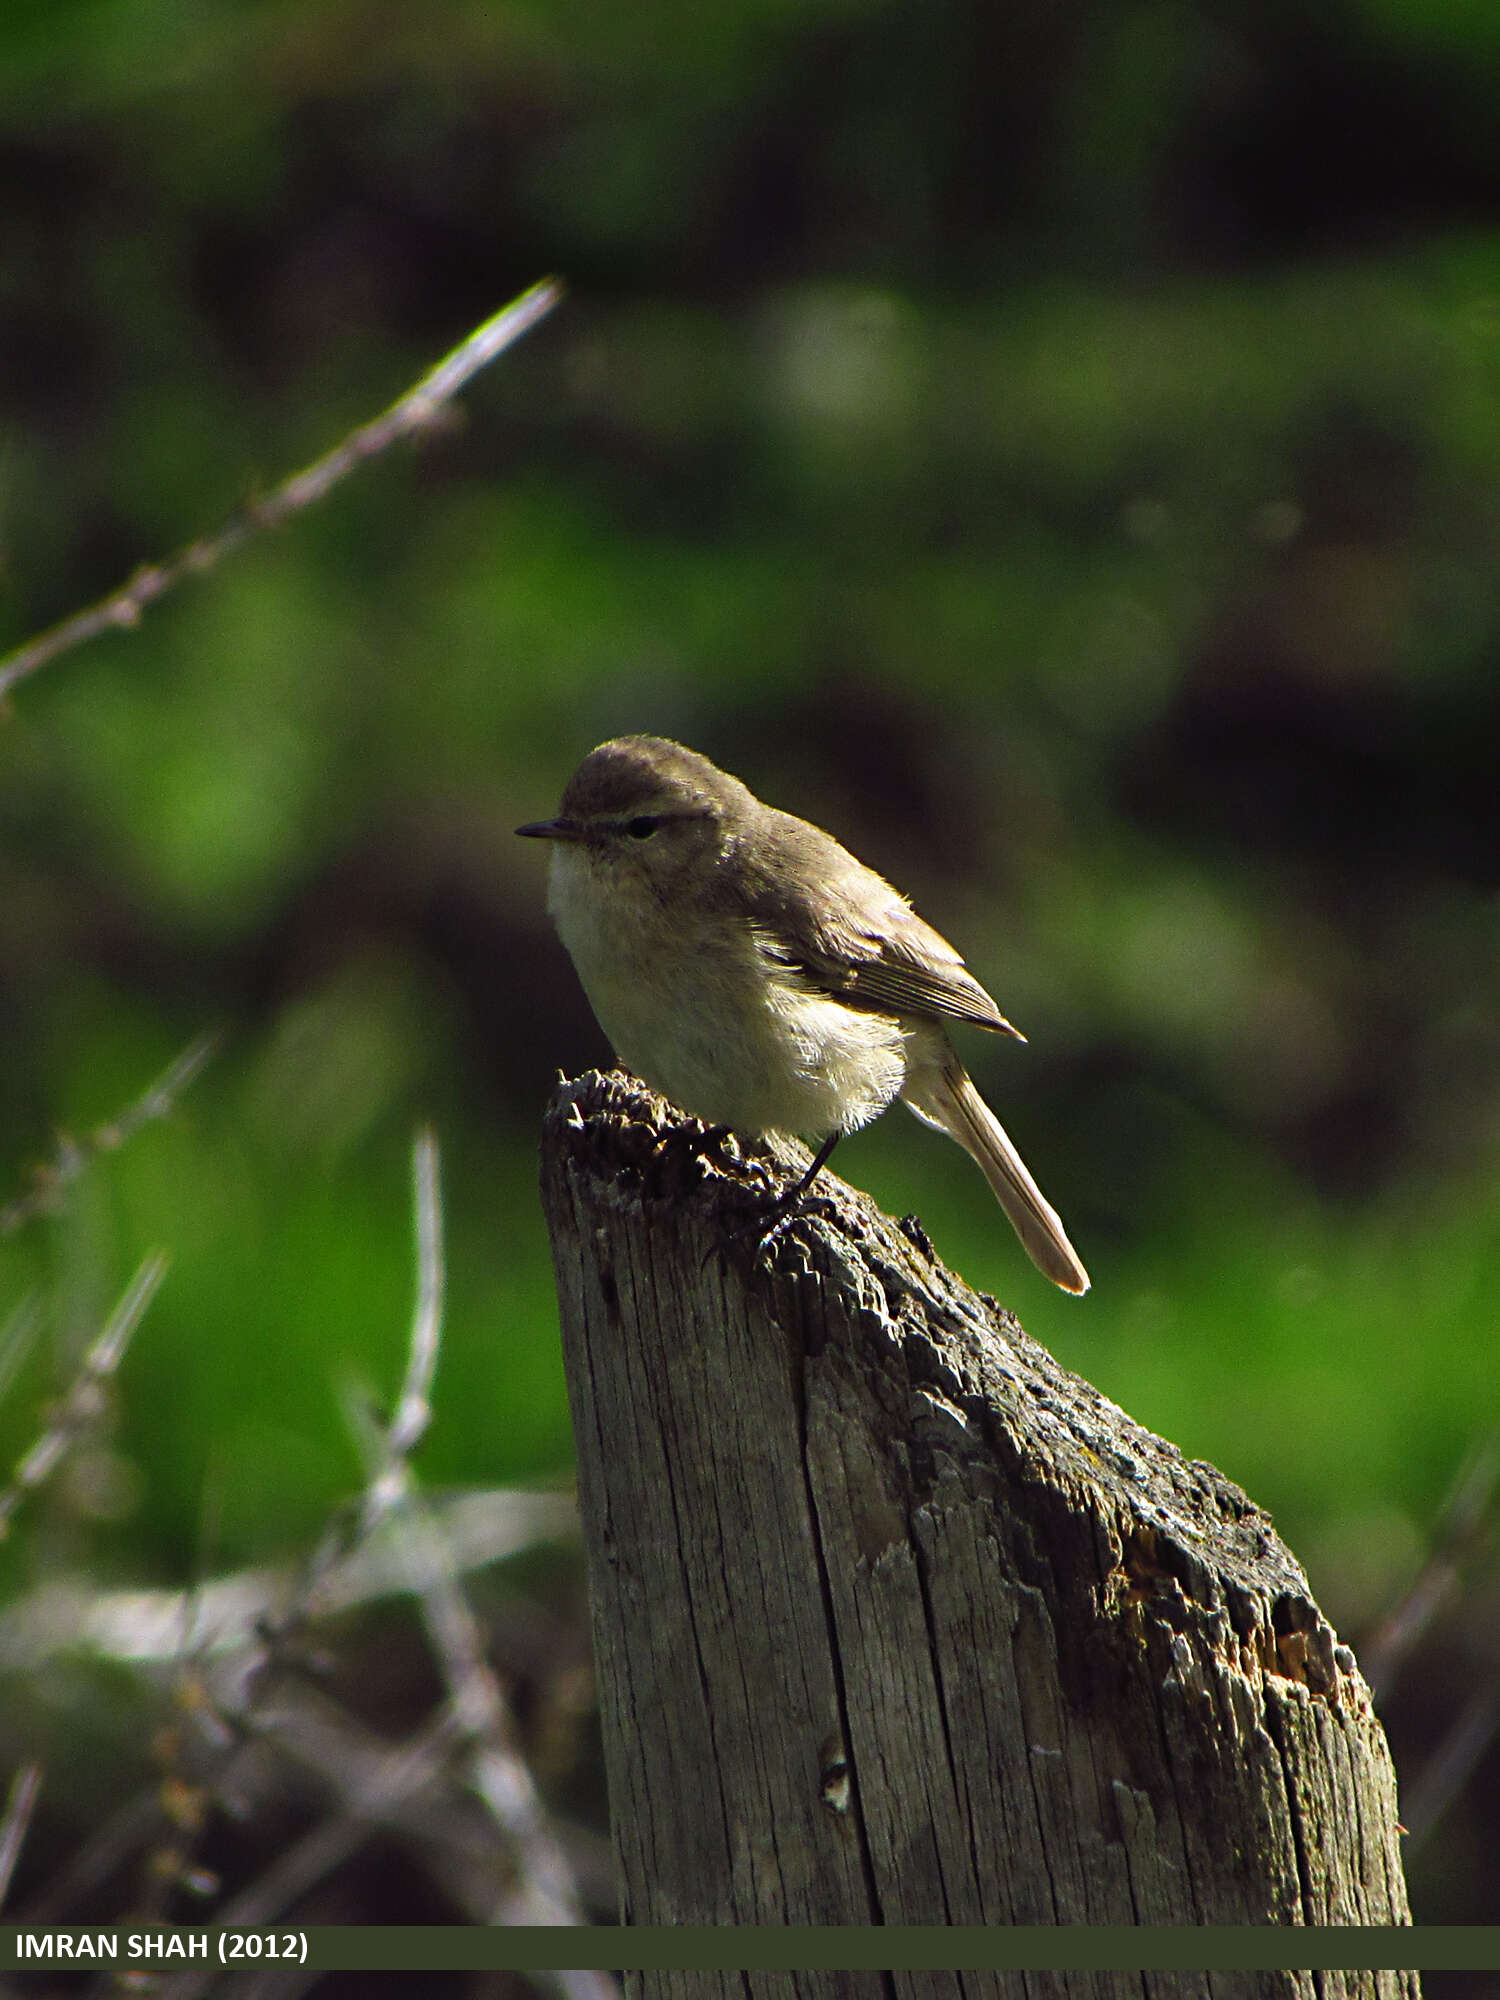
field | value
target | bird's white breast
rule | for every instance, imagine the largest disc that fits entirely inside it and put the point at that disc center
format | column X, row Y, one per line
column 694, row 1007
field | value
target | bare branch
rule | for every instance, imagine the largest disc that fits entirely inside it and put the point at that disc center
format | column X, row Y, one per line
column 543, row 1891
column 17, row 1336
column 386, row 1448
column 107, row 1848
column 24, row 1789
column 413, row 1408
column 74, row 1155
column 372, row 1785
column 142, row 1627
column 458, row 1791
column 1450, row 1767
column 80, row 1408
column 1465, row 1516
column 416, row 411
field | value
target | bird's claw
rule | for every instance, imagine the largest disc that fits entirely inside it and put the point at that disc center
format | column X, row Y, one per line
column 765, row 1230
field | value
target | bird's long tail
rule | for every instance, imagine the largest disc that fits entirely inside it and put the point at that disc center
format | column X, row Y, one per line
column 944, row 1095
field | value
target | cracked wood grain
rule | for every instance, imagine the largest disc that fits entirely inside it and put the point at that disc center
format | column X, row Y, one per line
column 898, row 1622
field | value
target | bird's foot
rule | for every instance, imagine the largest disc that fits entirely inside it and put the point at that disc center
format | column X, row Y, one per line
column 768, row 1223
column 789, row 1208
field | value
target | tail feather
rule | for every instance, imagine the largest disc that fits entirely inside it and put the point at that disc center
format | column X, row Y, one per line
column 945, row 1096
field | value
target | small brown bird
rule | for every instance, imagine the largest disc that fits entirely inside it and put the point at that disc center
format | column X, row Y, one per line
column 745, row 965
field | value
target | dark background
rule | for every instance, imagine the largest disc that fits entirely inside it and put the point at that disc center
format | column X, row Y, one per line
column 1056, row 446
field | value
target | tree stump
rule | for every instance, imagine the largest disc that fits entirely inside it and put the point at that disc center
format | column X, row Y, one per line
column 897, row 1621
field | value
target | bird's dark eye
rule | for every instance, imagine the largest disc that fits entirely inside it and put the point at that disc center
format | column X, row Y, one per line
column 642, row 827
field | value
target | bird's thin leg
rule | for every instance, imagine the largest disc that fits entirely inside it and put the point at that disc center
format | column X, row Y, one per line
column 787, row 1205
column 820, row 1160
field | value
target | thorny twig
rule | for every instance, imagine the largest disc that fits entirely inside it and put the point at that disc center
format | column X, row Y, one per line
column 80, row 1408
column 535, row 1885
column 351, row 1525
column 417, row 410
column 458, row 1790
column 544, row 1892
column 73, row 1155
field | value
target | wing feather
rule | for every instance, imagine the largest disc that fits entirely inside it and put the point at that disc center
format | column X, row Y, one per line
column 820, row 913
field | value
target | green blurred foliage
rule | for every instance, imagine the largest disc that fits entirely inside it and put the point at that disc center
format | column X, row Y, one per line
column 1057, row 447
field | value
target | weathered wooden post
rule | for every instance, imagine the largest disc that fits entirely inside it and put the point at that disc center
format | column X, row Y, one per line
column 897, row 1621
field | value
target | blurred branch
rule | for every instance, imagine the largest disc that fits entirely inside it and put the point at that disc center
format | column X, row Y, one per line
column 348, row 1533
column 459, row 1788
column 413, row 1406
column 1470, row 1506
column 408, row 1790
column 1450, row 1767
column 24, row 1788
column 416, row 411
column 372, row 1786
column 256, row 1729
column 152, row 1627
column 80, row 1409
column 16, row 1337
column 107, row 1848
column 543, row 1891
column 352, row 1526
column 72, row 1155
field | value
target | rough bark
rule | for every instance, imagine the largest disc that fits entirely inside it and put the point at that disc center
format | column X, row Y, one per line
column 897, row 1621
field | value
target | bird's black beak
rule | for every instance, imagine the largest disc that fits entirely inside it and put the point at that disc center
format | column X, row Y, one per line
column 551, row 829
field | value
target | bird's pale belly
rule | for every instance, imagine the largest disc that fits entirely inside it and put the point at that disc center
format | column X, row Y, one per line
column 786, row 1062
column 727, row 1037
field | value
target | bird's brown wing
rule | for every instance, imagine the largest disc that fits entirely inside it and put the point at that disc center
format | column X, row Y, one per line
column 916, row 971
column 855, row 936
